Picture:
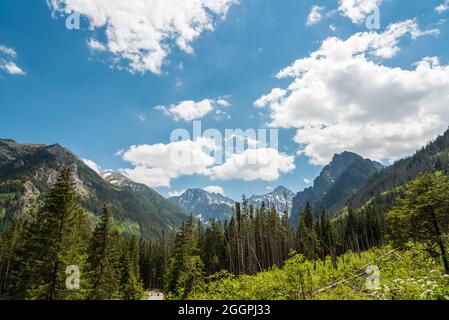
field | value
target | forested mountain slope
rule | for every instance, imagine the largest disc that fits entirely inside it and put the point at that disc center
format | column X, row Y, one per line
column 433, row 157
column 27, row 171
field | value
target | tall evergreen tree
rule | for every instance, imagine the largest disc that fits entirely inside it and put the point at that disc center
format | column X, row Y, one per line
column 130, row 286
column 103, row 259
column 54, row 241
column 306, row 234
column 185, row 271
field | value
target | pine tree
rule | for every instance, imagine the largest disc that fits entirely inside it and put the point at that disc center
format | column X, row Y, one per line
column 352, row 241
column 103, row 259
column 130, row 286
column 185, row 271
column 10, row 240
column 54, row 241
column 306, row 234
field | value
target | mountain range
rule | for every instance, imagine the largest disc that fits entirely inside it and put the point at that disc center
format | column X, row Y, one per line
column 27, row 171
column 206, row 205
column 280, row 198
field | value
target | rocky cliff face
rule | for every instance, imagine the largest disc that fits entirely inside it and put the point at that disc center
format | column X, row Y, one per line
column 343, row 176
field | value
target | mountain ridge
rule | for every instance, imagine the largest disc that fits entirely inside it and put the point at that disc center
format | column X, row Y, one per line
column 28, row 170
column 335, row 184
column 276, row 198
column 430, row 158
column 205, row 205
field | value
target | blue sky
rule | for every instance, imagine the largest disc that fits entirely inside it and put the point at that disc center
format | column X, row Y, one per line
column 70, row 94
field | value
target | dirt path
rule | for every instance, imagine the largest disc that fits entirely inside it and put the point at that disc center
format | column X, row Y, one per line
column 155, row 295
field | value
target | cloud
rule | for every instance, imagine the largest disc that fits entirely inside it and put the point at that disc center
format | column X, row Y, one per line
column 95, row 45
column 307, row 181
column 142, row 33
column 220, row 115
column 254, row 164
column 342, row 98
column 7, row 61
column 175, row 193
column 12, row 68
column 315, row 15
column 91, row 164
column 156, row 165
column 358, row 10
column 443, row 7
column 8, row 51
column 214, row 189
column 274, row 96
column 223, row 103
column 191, row 110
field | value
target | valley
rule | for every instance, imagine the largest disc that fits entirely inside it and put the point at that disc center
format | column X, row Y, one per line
column 196, row 245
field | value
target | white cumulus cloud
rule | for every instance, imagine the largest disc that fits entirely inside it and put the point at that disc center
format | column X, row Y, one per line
column 214, row 189
column 191, row 110
column 157, row 165
column 91, row 164
column 443, row 7
column 265, row 164
column 315, row 15
column 175, row 193
column 141, row 33
column 341, row 100
column 274, row 96
column 7, row 61
column 358, row 10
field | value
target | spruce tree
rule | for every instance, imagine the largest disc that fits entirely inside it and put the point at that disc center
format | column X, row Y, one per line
column 306, row 234
column 185, row 271
column 103, row 259
column 54, row 241
column 130, row 286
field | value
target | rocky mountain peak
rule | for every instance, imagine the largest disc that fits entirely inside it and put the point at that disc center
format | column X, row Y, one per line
column 205, row 205
column 347, row 172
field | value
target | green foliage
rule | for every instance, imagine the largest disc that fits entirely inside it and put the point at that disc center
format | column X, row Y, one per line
column 249, row 257
column 53, row 241
column 137, row 208
column 185, row 267
column 422, row 216
column 308, row 238
column 302, row 279
column 130, row 286
column 103, row 260
column 433, row 157
column 36, row 251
